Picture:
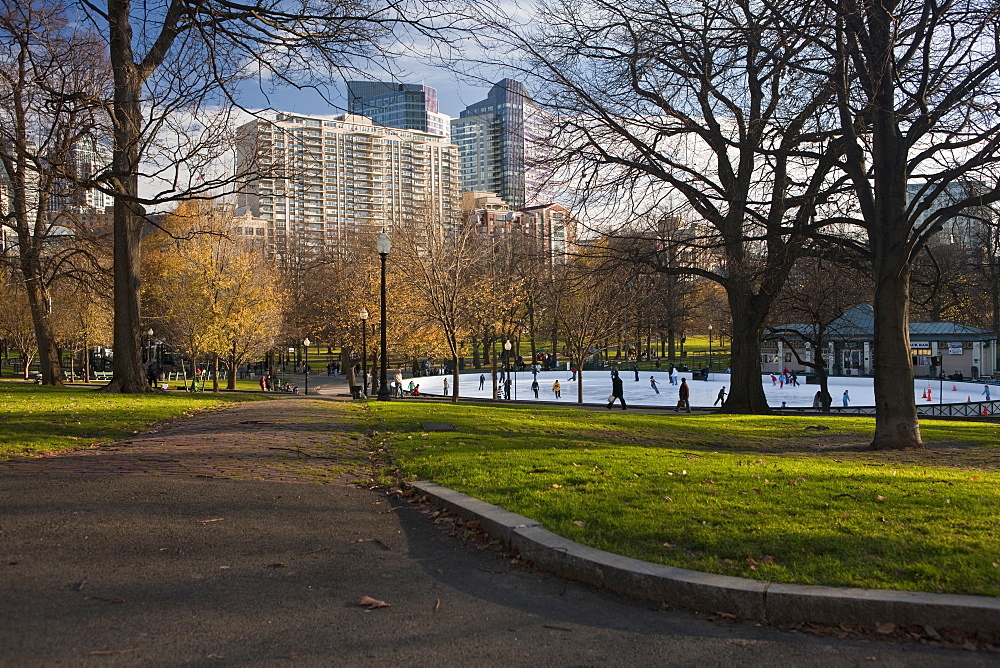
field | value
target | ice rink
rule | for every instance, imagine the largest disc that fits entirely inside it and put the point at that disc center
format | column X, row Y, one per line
column 597, row 387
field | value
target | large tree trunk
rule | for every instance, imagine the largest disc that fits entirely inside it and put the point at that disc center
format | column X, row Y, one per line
column 127, row 122
column 746, row 392
column 48, row 352
column 896, row 424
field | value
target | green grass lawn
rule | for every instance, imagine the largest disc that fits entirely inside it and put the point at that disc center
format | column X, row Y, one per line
column 36, row 419
column 750, row 496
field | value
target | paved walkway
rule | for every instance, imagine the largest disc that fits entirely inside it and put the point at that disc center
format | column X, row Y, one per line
column 199, row 544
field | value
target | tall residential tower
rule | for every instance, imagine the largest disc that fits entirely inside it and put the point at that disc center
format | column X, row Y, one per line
column 500, row 142
column 320, row 181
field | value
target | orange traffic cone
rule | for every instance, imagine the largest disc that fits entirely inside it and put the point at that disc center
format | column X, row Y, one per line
column 924, row 395
column 954, row 389
column 985, row 412
column 968, row 399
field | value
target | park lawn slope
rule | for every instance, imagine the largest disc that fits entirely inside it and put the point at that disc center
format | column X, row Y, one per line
column 38, row 419
column 750, row 496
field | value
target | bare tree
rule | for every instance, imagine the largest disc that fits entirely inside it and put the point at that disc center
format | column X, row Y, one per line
column 700, row 110
column 176, row 75
column 590, row 311
column 41, row 133
column 442, row 264
column 916, row 89
column 818, row 292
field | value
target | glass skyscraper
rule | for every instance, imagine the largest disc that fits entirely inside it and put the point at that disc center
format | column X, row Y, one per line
column 398, row 105
column 500, row 143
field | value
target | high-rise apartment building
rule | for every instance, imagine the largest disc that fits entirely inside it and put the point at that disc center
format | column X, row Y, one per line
column 88, row 158
column 321, row 181
column 500, row 142
column 398, row 105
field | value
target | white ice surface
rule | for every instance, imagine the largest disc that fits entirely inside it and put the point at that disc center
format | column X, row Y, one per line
column 597, row 387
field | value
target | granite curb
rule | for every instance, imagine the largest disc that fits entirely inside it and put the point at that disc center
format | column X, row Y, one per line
column 769, row 602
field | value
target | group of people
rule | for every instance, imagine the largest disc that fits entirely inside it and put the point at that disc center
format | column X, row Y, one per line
column 268, row 385
column 785, row 377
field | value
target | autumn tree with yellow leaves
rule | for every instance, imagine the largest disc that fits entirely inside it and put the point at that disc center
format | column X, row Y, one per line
column 212, row 294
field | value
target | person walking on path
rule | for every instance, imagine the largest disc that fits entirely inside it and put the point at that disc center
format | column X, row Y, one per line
column 263, row 384
column 445, row 387
column 482, row 380
column 617, row 392
column 652, row 384
column 557, row 389
column 847, row 399
column 398, row 380
column 721, row 398
column 986, row 392
column 683, row 396
column 534, row 388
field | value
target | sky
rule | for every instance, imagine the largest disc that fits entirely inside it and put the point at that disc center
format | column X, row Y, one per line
column 455, row 91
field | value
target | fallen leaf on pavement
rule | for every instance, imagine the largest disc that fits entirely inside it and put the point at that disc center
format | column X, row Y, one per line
column 371, row 603
column 216, row 519
column 886, row 629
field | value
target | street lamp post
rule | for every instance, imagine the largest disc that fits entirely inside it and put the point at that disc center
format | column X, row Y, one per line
column 149, row 357
column 383, row 245
column 364, row 351
column 493, row 356
column 306, row 343
column 709, row 352
column 506, row 363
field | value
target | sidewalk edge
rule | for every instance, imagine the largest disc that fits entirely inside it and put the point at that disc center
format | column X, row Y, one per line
column 745, row 598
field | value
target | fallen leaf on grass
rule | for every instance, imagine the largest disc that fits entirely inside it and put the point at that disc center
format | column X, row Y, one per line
column 579, row 523
column 371, row 603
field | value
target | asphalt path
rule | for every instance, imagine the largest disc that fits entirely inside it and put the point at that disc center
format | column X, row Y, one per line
column 206, row 544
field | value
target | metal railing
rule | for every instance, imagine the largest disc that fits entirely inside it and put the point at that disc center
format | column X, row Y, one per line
column 969, row 409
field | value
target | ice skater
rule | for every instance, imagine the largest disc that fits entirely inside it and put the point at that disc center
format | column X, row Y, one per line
column 652, row 384
column 617, row 392
column 847, row 399
column 721, row 398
